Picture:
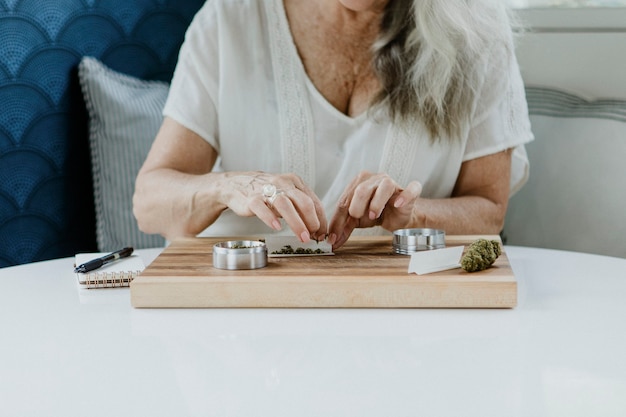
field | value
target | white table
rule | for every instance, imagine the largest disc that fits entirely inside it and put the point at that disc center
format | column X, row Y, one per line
column 561, row 352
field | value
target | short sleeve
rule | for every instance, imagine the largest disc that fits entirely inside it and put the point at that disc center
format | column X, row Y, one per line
column 192, row 99
column 501, row 118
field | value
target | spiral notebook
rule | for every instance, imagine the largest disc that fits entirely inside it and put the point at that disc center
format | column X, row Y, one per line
column 115, row 274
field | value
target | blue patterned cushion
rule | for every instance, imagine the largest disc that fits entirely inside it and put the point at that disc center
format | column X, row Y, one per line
column 46, row 204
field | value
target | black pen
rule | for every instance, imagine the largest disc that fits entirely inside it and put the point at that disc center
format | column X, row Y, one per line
column 98, row 262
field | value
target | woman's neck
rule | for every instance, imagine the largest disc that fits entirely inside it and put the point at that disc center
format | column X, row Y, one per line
column 345, row 17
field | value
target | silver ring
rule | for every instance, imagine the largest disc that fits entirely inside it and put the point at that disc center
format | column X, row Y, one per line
column 270, row 192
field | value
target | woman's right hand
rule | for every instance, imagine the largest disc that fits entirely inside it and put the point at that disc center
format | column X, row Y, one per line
column 177, row 194
column 273, row 196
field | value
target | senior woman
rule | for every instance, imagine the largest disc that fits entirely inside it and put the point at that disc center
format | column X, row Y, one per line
column 332, row 117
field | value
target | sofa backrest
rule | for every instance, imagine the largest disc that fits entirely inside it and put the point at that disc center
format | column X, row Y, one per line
column 46, row 198
column 573, row 63
column 575, row 198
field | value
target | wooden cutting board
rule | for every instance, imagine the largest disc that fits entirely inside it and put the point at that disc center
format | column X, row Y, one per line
column 364, row 273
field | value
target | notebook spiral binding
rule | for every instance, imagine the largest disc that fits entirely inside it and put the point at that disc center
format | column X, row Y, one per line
column 109, row 279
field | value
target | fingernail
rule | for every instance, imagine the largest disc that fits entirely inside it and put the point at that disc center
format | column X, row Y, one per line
column 373, row 215
column 276, row 225
column 398, row 203
column 320, row 238
column 332, row 239
column 305, row 237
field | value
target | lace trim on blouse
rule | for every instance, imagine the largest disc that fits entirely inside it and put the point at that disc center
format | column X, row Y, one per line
column 294, row 111
column 399, row 153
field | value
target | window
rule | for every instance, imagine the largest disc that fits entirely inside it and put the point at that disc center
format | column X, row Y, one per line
column 566, row 3
column 572, row 15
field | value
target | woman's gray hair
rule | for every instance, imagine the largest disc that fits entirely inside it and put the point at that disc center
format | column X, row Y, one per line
column 430, row 57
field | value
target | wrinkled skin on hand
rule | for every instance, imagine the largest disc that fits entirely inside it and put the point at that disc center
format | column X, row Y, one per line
column 296, row 203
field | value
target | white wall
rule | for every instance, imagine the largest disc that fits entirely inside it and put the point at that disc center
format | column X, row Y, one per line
column 578, row 50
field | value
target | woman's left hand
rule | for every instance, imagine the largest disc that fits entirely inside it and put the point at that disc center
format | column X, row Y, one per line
column 372, row 200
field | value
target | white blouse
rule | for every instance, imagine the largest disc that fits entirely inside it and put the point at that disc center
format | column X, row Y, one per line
column 241, row 86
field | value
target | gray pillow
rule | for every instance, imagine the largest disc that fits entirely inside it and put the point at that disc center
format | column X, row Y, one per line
column 575, row 197
column 124, row 117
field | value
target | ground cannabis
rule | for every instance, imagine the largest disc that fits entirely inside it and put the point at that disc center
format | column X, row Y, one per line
column 288, row 250
column 480, row 255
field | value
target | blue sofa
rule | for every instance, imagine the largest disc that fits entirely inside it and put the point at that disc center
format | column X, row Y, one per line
column 46, row 193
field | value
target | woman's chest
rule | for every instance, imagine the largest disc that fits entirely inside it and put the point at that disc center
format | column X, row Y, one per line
column 338, row 64
column 348, row 84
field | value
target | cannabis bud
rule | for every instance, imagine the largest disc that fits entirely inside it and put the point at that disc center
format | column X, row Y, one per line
column 480, row 255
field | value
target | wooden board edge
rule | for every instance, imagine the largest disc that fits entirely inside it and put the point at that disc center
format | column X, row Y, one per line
column 319, row 295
